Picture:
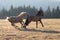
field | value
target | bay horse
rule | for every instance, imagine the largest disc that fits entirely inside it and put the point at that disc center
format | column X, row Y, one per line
column 35, row 18
column 16, row 19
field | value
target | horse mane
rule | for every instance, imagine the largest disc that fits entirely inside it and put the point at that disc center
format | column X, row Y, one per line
column 21, row 13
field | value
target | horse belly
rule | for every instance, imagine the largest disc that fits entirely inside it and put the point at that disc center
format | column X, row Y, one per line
column 34, row 19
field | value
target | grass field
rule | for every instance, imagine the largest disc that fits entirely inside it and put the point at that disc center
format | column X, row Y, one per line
column 50, row 31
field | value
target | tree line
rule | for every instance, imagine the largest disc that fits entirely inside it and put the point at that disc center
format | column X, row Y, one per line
column 54, row 13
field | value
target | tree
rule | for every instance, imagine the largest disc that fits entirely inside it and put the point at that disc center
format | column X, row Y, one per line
column 3, row 13
column 11, row 11
column 57, row 12
column 48, row 12
column 53, row 12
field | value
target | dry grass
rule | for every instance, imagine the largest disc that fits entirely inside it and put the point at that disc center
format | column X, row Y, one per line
column 50, row 31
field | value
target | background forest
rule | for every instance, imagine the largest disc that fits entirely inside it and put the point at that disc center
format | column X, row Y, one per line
column 48, row 13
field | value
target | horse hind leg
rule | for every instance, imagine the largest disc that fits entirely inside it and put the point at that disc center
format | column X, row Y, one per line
column 16, row 27
column 41, row 23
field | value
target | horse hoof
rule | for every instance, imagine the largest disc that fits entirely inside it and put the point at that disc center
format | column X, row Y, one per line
column 24, row 27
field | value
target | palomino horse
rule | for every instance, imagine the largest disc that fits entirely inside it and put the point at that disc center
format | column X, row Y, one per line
column 35, row 18
column 16, row 19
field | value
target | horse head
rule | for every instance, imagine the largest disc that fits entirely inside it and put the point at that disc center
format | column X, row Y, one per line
column 40, row 13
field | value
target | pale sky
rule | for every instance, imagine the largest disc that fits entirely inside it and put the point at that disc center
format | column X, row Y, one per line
column 36, row 3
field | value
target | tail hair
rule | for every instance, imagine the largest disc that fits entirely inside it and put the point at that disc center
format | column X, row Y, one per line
column 7, row 18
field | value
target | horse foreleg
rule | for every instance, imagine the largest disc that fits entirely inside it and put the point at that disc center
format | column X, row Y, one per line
column 21, row 24
column 41, row 23
column 36, row 24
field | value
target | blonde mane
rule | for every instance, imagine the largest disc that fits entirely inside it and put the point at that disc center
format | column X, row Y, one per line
column 22, row 13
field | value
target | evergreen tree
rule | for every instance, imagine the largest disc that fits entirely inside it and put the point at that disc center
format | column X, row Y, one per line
column 49, row 12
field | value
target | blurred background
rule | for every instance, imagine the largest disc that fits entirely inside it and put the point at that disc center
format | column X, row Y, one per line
column 8, row 8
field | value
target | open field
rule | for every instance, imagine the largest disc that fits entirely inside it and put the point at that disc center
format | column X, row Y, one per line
column 50, row 31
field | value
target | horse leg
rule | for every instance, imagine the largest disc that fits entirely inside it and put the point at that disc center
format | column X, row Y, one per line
column 36, row 24
column 26, row 23
column 15, row 26
column 41, row 23
column 21, row 24
column 12, row 24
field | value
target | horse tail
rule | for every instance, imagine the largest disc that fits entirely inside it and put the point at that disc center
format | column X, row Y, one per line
column 6, row 18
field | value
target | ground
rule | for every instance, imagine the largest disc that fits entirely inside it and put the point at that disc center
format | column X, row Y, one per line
column 50, row 31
